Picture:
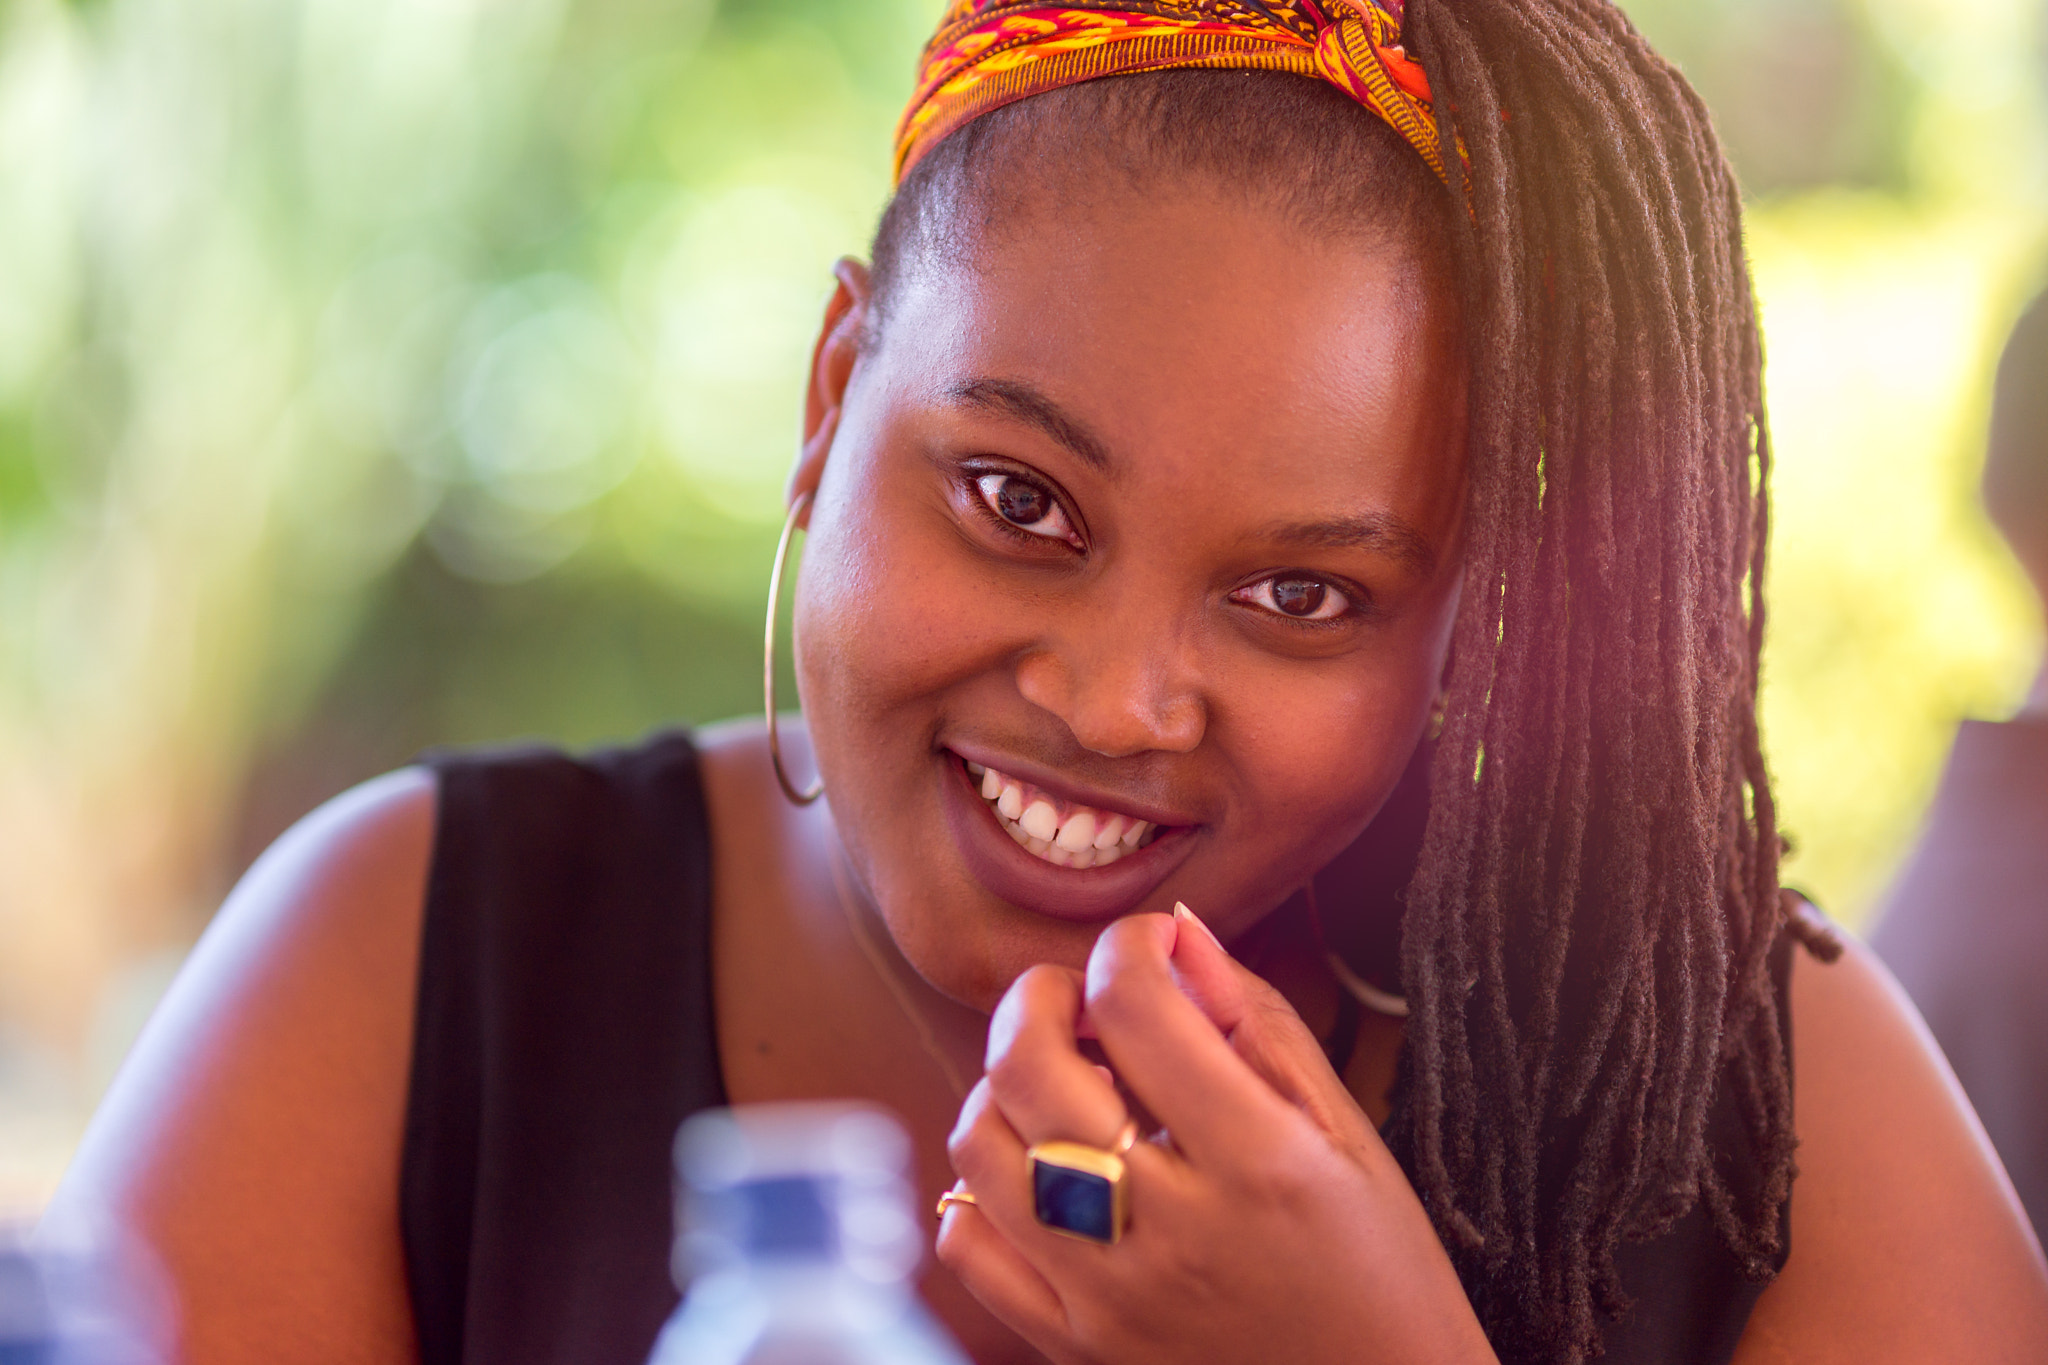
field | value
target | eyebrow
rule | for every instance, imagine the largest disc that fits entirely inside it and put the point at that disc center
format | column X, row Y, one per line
column 1381, row 532
column 1020, row 402
column 1378, row 531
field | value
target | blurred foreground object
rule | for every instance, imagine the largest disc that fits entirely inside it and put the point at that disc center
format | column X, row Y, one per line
column 797, row 1242
column 1966, row 926
column 61, row 1308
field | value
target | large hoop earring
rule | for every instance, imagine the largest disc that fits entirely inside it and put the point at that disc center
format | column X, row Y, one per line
column 799, row 797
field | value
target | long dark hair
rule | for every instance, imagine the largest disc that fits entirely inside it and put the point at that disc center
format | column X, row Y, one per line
column 1585, row 944
column 1600, row 809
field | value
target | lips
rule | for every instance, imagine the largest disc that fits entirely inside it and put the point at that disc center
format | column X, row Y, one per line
column 1111, row 860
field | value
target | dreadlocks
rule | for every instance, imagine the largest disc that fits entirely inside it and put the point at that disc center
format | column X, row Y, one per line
column 1600, row 810
column 1586, row 938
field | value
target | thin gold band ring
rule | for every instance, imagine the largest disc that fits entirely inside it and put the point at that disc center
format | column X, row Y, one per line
column 952, row 1197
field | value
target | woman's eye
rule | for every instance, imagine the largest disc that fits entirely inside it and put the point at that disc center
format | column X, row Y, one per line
column 1302, row 599
column 1027, row 507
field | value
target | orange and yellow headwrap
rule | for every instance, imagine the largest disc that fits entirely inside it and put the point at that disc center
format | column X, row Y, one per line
column 988, row 53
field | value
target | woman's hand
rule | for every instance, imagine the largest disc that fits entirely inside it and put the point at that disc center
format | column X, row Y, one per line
column 1275, row 1225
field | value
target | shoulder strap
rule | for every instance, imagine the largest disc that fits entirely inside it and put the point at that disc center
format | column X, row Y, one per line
column 564, row 1030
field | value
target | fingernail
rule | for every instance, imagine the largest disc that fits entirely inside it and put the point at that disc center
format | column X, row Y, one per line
column 1183, row 915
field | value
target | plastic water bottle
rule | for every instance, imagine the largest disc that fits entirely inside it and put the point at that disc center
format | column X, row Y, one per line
column 61, row 1308
column 797, row 1242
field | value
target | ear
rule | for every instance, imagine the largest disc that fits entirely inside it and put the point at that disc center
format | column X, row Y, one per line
column 832, row 363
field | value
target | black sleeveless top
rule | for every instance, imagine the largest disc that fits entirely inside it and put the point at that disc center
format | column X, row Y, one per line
column 565, row 1029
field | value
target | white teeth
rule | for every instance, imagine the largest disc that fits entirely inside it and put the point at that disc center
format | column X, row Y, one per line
column 1087, row 838
column 1078, row 833
column 1040, row 820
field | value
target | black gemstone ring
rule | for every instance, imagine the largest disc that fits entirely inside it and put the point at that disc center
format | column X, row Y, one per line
column 1081, row 1191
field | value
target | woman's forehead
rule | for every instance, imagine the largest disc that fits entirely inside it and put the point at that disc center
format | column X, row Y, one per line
column 1191, row 324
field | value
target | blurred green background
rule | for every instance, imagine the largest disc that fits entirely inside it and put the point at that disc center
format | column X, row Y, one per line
column 379, row 373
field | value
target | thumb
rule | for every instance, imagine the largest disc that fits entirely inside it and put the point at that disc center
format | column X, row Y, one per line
column 1263, row 1030
column 1206, row 972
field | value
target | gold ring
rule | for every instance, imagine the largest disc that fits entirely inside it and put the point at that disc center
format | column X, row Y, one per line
column 1081, row 1191
column 952, row 1197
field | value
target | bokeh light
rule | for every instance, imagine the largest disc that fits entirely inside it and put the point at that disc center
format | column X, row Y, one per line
column 380, row 373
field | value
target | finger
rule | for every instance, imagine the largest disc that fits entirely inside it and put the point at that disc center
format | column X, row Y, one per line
column 1263, row 1029
column 997, row 1274
column 992, row 1160
column 1167, row 1051
column 989, row 1157
column 1037, row 1076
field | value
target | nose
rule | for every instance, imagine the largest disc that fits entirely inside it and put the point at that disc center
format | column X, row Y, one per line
column 1125, row 682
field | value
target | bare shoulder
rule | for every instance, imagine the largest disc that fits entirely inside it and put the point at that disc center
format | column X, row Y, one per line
column 755, row 830
column 1907, row 1241
column 252, row 1140
column 734, row 758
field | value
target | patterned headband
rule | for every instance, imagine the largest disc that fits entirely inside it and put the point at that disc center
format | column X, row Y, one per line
column 988, row 53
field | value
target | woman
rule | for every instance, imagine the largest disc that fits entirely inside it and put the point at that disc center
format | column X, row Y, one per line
column 1248, row 404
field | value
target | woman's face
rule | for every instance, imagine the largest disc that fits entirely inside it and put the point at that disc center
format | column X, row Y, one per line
column 1152, row 508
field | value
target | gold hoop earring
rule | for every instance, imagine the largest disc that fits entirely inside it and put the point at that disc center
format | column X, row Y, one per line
column 789, row 788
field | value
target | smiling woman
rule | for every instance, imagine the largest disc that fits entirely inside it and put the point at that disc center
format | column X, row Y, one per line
column 1232, row 484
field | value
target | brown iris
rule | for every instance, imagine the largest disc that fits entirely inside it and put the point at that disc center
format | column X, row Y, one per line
column 1299, row 596
column 1022, row 503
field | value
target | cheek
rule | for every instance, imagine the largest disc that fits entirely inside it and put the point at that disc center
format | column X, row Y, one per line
column 1318, row 751
column 1320, row 762
column 884, row 617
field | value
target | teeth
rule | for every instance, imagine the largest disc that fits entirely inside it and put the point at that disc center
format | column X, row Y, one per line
column 1085, row 838
column 1078, row 833
column 1040, row 820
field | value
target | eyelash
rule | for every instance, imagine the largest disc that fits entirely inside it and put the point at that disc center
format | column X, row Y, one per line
column 1357, row 602
column 971, row 478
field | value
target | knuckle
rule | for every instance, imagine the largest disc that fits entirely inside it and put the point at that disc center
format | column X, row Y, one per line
column 1044, row 984
column 960, row 1142
column 1011, row 1078
column 1039, row 990
column 967, row 1129
column 1113, row 995
column 1035, row 978
column 1278, row 1175
column 1131, row 934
